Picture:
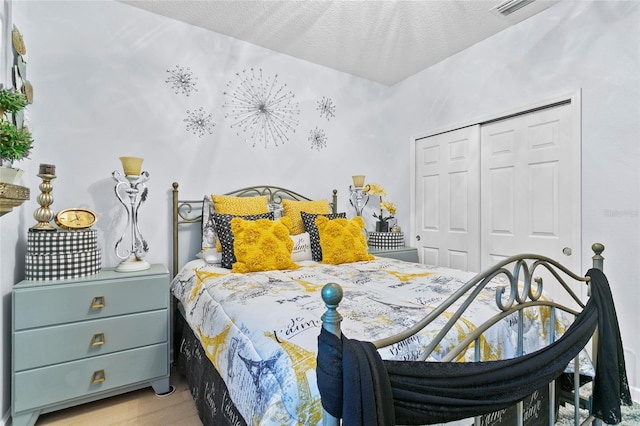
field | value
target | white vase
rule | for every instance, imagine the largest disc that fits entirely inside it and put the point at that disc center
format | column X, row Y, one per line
column 10, row 175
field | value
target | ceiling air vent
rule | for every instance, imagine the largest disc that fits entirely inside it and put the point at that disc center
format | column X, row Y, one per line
column 506, row 8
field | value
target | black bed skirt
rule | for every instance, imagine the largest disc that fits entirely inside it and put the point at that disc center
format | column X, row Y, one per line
column 211, row 396
column 210, row 393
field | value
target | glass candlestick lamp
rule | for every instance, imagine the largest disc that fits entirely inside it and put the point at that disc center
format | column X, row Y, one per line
column 132, row 192
column 358, row 198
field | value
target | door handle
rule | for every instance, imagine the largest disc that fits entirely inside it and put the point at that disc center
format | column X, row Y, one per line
column 566, row 251
column 417, row 237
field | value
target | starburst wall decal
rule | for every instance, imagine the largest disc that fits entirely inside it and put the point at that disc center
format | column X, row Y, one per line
column 318, row 139
column 262, row 110
column 199, row 122
column 326, row 108
column 182, row 79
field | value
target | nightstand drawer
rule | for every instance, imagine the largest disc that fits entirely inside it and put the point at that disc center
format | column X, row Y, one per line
column 65, row 303
column 75, row 341
column 408, row 254
column 48, row 385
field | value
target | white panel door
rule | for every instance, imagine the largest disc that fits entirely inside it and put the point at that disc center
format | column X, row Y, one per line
column 530, row 203
column 447, row 199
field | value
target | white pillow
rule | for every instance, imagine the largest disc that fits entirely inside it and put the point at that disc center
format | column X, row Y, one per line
column 301, row 247
column 209, row 236
column 211, row 256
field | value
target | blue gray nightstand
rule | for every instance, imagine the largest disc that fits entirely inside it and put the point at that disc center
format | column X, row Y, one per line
column 80, row 340
column 408, row 254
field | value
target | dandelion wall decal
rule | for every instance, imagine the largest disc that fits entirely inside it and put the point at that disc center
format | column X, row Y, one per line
column 199, row 122
column 326, row 108
column 261, row 109
column 318, row 139
column 182, row 79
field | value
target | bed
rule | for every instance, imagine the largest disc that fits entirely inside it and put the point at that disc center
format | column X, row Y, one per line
column 247, row 339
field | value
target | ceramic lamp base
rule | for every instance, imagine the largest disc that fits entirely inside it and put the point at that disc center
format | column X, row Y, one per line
column 133, row 264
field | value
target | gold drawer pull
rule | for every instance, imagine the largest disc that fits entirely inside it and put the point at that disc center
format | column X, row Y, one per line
column 98, row 377
column 98, row 302
column 97, row 339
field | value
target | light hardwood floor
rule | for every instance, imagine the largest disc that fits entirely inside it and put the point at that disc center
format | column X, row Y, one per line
column 141, row 407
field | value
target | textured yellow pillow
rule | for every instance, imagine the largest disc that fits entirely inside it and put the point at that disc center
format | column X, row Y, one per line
column 342, row 240
column 293, row 208
column 262, row 245
column 238, row 206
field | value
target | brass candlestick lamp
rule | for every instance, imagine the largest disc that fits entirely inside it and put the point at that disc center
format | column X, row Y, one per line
column 44, row 214
column 358, row 197
column 132, row 192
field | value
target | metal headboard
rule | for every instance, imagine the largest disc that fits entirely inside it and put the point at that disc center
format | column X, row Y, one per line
column 190, row 211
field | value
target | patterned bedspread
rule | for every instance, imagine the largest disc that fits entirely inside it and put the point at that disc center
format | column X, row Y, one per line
column 260, row 329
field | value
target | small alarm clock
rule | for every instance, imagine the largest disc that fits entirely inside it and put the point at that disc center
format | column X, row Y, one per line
column 76, row 218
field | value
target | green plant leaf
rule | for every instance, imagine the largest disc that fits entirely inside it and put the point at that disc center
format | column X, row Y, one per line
column 12, row 101
column 15, row 143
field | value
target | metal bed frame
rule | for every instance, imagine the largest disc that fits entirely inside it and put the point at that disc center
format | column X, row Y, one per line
column 515, row 270
column 189, row 212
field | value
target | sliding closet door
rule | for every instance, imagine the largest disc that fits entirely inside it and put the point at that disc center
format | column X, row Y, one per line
column 530, row 173
column 502, row 187
column 447, row 197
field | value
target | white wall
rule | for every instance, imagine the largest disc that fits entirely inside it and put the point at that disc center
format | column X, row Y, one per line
column 99, row 68
column 593, row 46
column 4, row 24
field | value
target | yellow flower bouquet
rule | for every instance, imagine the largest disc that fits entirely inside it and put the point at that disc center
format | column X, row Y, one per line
column 382, row 225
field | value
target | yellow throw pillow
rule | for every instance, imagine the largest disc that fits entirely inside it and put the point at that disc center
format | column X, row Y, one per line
column 342, row 240
column 238, row 206
column 293, row 208
column 262, row 245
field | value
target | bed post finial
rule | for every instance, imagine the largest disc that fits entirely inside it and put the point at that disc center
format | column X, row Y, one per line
column 598, row 260
column 332, row 295
column 334, row 201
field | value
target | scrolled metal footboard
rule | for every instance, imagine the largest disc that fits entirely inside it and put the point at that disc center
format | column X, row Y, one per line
column 522, row 289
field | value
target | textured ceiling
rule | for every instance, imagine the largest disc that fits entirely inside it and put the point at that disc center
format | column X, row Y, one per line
column 383, row 41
